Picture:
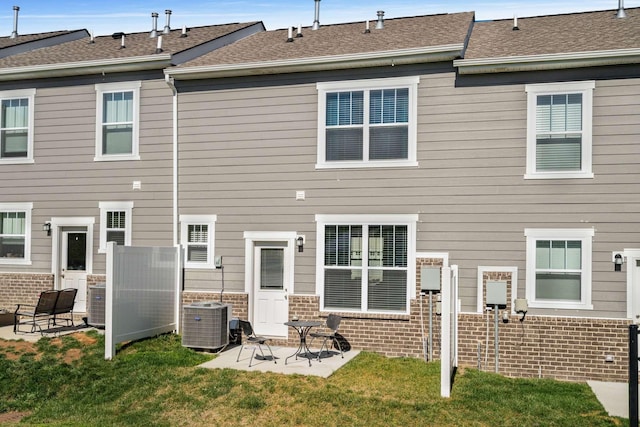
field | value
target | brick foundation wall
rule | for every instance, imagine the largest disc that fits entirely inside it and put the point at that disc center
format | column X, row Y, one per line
column 239, row 302
column 22, row 288
column 547, row 347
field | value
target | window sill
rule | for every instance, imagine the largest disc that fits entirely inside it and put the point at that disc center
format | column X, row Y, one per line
column 14, row 161
column 354, row 165
column 115, row 158
column 560, row 306
column 9, row 261
column 560, row 175
column 362, row 315
column 200, row 266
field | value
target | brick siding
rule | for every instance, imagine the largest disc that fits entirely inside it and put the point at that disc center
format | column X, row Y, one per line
column 22, row 288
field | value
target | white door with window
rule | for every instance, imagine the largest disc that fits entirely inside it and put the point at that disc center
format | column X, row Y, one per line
column 73, row 266
column 271, row 288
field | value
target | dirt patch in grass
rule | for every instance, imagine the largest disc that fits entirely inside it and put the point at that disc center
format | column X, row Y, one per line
column 12, row 417
column 13, row 350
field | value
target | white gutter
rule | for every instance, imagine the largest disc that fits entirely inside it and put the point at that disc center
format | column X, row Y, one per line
column 112, row 65
column 322, row 63
column 553, row 61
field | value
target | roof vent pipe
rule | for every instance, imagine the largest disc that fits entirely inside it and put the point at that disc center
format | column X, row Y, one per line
column 380, row 24
column 14, row 34
column 154, row 26
column 621, row 13
column 515, row 23
column 316, row 19
column 167, row 27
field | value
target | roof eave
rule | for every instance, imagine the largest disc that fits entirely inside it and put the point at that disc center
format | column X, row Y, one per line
column 548, row 62
column 322, row 63
column 118, row 65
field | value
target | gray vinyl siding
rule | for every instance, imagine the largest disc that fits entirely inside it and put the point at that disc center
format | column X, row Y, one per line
column 65, row 181
column 244, row 151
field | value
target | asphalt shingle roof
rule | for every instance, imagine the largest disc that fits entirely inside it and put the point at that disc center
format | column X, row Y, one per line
column 343, row 39
column 21, row 39
column 108, row 47
column 554, row 34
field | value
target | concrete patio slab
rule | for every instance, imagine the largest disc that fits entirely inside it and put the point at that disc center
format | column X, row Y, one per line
column 328, row 364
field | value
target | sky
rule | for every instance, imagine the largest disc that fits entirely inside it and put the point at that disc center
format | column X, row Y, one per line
column 108, row 17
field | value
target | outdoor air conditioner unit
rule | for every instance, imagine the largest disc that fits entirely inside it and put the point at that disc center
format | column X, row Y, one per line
column 206, row 325
column 97, row 300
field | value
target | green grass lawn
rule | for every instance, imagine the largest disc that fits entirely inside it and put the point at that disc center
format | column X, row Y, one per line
column 156, row 382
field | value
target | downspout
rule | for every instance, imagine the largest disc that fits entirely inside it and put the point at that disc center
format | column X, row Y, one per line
column 170, row 82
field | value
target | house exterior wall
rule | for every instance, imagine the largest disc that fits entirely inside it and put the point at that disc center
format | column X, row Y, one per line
column 65, row 181
column 247, row 145
column 244, row 152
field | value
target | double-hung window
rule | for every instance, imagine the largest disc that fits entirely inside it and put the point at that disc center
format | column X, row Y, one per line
column 16, row 126
column 197, row 237
column 117, row 121
column 115, row 223
column 367, row 123
column 559, row 268
column 15, row 233
column 366, row 262
column 559, row 130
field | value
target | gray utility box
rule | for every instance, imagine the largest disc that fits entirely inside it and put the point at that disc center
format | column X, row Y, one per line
column 206, row 325
column 97, row 303
column 497, row 294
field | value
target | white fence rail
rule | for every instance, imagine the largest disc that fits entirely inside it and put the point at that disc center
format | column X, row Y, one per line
column 449, row 332
column 142, row 294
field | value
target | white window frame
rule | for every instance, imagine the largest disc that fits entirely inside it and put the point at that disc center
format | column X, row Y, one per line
column 410, row 83
column 26, row 208
column 585, row 235
column 410, row 220
column 105, row 207
column 210, row 222
column 585, row 88
column 29, row 94
column 103, row 88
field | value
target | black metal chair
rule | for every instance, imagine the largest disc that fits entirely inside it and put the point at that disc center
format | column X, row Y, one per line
column 253, row 340
column 42, row 311
column 333, row 322
column 64, row 306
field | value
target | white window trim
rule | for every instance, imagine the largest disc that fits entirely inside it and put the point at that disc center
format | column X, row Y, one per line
column 391, row 83
column 410, row 220
column 114, row 206
column 533, row 91
column 585, row 235
column 210, row 221
column 103, row 88
column 26, row 208
column 30, row 94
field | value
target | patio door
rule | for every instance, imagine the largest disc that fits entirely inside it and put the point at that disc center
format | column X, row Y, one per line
column 73, row 266
column 271, row 288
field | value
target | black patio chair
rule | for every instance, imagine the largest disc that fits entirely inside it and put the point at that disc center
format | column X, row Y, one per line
column 333, row 322
column 36, row 314
column 64, row 306
column 253, row 340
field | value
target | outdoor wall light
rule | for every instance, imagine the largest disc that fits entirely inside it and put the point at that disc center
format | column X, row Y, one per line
column 617, row 262
column 47, row 227
column 300, row 243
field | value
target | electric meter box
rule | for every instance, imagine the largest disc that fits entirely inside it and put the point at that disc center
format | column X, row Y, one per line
column 430, row 279
column 497, row 294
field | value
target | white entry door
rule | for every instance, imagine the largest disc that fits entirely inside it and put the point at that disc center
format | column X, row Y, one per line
column 73, row 268
column 271, row 288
